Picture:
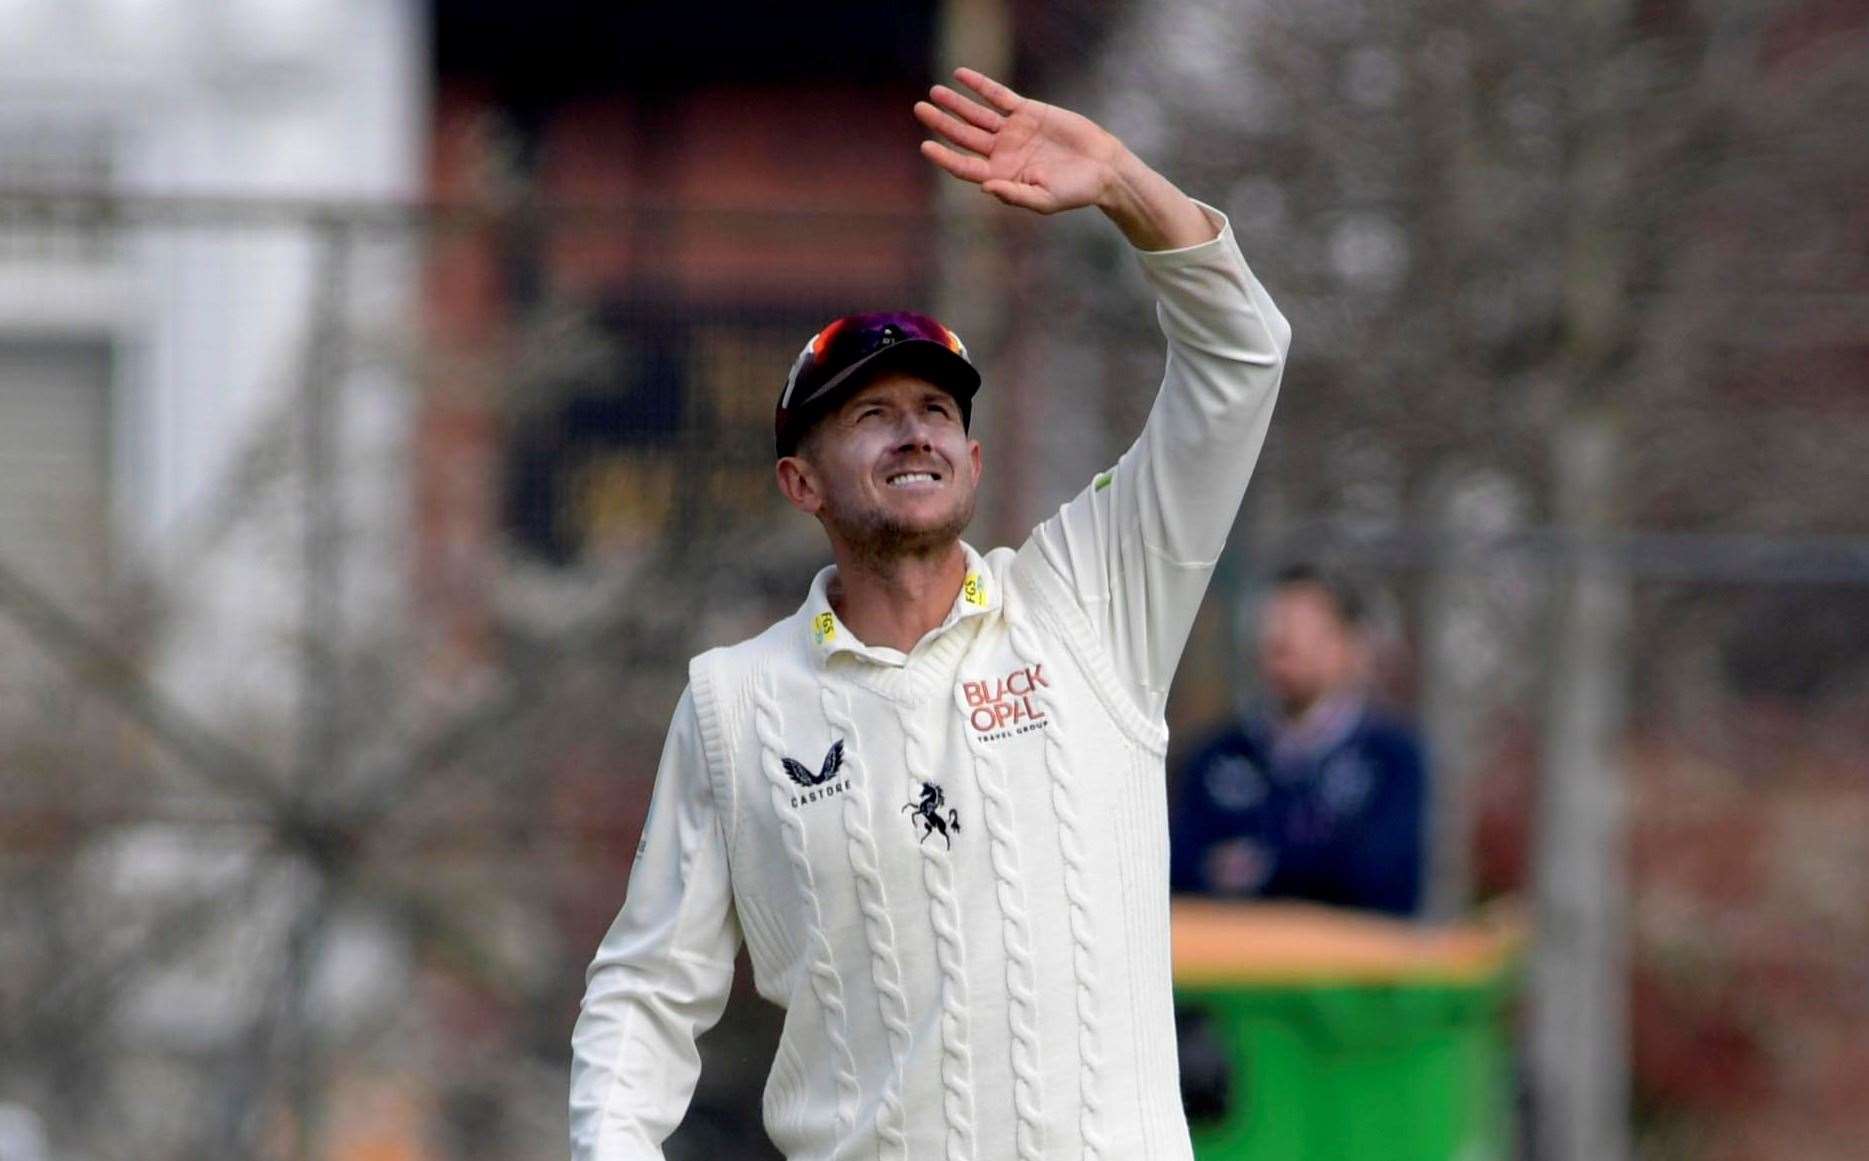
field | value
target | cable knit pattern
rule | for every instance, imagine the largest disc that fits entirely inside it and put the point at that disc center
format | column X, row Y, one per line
column 824, row 979
column 1083, row 934
column 956, row 1021
column 878, row 931
column 1021, row 973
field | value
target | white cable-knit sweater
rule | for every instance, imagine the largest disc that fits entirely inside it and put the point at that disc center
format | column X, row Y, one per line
column 950, row 867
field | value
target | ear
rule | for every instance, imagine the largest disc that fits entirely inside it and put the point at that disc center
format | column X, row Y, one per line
column 973, row 457
column 798, row 482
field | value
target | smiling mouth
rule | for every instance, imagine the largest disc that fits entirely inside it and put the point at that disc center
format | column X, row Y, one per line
column 911, row 479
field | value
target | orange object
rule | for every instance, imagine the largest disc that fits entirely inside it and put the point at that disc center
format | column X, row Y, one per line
column 1218, row 943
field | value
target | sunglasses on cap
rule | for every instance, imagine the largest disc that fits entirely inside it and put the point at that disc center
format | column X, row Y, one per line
column 845, row 353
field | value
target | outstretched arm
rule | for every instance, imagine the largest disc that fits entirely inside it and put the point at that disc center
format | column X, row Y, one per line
column 1049, row 159
column 1136, row 548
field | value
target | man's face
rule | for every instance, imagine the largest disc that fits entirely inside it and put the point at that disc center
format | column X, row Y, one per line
column 1306, row 652
column 890, row 472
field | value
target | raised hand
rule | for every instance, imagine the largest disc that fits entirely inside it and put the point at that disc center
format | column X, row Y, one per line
column 1023, row 152
column 1044, row 158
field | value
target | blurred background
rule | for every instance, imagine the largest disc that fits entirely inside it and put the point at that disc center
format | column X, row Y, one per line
column 385, row 394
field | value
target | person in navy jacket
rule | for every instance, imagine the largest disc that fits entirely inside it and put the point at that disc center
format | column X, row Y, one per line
column 1320, row 795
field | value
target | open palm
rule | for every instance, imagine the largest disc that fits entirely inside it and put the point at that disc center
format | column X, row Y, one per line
column 1023, row 152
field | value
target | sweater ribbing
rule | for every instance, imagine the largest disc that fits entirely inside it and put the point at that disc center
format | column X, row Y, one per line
column 1088, row 1001
column 878, row 933
column 1021, row 973
column 825, row 981
column 957, row 1099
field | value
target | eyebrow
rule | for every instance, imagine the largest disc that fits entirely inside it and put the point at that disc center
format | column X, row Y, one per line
column 877, row 395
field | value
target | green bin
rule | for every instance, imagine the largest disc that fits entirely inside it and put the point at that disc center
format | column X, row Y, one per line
column 1345, row 1037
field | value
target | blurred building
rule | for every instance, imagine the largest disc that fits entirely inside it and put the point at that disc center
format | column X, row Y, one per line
column 682, row 203
column 140, row 365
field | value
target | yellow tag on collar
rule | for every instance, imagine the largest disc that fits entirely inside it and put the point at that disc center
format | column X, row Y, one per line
column 973, row 590
column 823, row 628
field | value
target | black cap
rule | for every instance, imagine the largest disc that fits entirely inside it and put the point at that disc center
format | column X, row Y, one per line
column 827, row 369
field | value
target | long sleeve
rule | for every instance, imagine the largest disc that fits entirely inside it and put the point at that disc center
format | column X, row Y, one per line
column 1138, row 545
column 661, row 975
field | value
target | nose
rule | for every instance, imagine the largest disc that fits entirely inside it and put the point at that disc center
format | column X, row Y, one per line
column 917, row 431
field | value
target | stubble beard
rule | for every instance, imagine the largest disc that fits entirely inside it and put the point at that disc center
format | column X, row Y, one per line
column 878, row 538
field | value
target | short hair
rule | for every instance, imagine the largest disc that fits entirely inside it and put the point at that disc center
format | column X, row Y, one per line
column 806, row 445
column 1345, row 598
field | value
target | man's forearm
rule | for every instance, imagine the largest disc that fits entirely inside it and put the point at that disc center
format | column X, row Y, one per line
column 1150, row 210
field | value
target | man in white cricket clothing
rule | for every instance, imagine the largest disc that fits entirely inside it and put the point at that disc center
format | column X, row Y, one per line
column 931, row 801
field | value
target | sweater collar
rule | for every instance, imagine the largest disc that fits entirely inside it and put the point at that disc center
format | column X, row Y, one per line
column 827, row 635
